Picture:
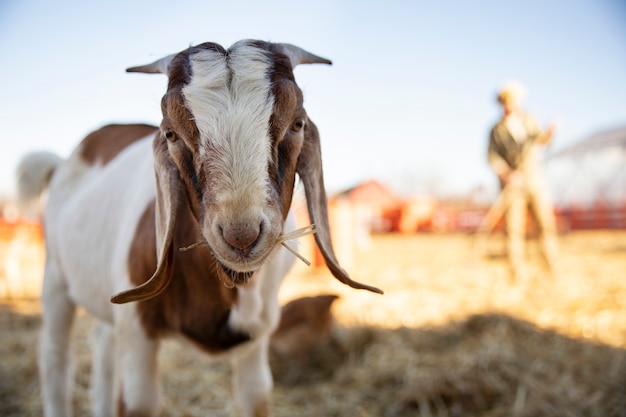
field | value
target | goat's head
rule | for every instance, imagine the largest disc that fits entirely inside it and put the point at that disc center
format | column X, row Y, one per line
column 233, row 136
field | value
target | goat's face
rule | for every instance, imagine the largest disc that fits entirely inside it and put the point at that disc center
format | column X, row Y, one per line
column 234, row 125
column 233, row 135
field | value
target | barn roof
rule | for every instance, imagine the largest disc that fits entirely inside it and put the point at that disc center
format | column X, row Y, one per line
column 615, row 137
column 590, row 171
column 371, row 193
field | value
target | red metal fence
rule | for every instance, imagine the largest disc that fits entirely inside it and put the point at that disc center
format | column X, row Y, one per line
column 600, row 216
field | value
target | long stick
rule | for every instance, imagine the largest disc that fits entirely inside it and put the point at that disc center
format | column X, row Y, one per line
column 495, row 212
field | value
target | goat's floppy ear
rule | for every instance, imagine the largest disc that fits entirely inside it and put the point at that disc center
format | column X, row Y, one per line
column 309, row 169
column 168, row 189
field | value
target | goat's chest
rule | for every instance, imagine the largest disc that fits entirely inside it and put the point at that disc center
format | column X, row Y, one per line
column 255, row 313
column 215, row 321
column 199, row 307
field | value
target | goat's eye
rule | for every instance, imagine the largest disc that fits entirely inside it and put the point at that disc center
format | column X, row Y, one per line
column 298, row 125
column 171, row 136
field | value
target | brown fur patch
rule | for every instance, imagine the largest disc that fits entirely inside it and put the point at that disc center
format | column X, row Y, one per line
column 123, row 412
column 288, row 106
column 104, row 144
column 121, row 405
column 196, row 303
column 262, row 409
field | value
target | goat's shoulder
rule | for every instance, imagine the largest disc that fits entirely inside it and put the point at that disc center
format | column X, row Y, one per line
column 104, row 144
column 114, row 161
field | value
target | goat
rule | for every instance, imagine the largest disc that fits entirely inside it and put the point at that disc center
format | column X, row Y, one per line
column 219, row 182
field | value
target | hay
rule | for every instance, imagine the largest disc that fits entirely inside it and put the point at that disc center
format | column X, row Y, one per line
column 19, row 385
column 451, row 337
column 487, row 365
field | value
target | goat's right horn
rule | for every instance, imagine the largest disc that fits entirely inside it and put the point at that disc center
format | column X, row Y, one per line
column 298, row 55
column 157, row 67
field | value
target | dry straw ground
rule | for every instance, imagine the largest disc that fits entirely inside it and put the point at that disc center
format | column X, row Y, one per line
column 451, row 337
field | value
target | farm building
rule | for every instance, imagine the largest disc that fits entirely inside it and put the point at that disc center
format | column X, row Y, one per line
column 384, row 211
column 588, row 181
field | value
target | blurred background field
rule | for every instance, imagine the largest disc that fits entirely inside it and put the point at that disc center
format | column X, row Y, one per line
column 452, row 336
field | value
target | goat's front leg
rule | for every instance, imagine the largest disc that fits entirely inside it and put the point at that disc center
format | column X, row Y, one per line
column 55, row 359
column 252, row 379
column 136, row 367
column 102, row 370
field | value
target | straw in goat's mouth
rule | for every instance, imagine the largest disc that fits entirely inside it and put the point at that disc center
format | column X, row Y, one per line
column 193, row 245
column 303, row 231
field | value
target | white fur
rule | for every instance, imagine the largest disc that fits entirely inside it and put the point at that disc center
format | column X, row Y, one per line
column 136, row 363
column 102, row 370
column 84, row 211
column 33, row 173
column 231, row 104
column 85, row 202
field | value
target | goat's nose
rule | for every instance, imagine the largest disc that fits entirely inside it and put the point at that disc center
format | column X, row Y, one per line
column 241, row 237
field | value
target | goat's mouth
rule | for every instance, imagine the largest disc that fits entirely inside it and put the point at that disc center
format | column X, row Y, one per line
column 232, row 278
column 227, row 275
column 238, row 272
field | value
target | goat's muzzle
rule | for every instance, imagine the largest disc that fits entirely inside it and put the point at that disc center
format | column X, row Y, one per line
column 242, row 238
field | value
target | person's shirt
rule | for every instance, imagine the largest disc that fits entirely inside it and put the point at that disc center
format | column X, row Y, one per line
column 511, row 140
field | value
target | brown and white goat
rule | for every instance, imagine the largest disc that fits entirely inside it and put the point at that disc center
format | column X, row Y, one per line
column 216, row 177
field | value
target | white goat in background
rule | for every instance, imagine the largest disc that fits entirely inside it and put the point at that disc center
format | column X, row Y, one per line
column 217, row 178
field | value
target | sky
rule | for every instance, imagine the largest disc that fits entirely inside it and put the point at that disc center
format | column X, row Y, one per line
column 409, row 99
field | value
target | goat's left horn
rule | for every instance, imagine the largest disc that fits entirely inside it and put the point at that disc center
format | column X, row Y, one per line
column 298, row 56
column 157, row 67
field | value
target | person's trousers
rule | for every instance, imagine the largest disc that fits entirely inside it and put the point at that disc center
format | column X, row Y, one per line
column 519, row 198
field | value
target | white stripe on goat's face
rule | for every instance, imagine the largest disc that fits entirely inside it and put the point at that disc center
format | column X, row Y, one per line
column 231, row 102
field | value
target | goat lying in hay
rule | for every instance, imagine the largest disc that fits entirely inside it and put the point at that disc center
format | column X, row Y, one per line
column 219, row 182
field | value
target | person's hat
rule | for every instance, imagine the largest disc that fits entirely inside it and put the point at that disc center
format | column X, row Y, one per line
column 512, row 91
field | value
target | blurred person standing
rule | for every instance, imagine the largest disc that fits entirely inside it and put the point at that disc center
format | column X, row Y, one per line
column 513, row 147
